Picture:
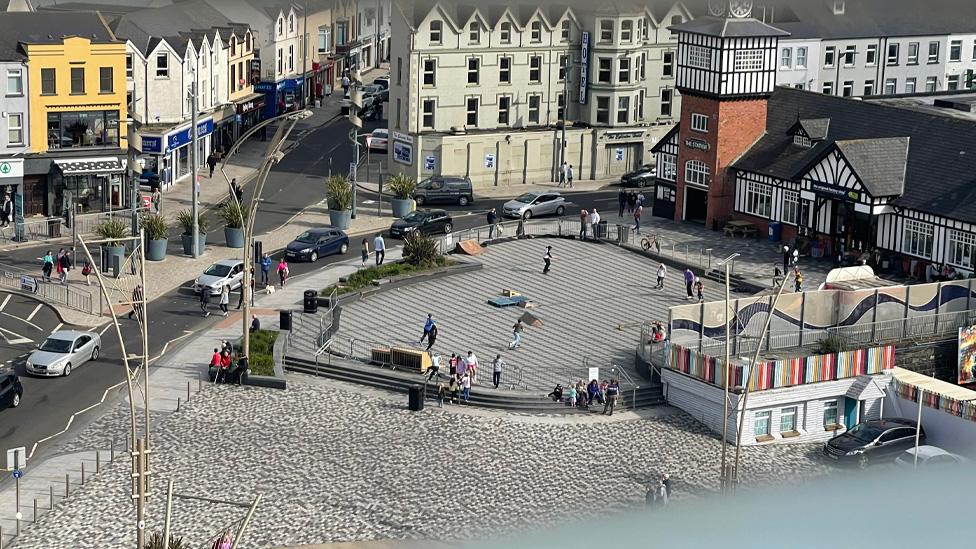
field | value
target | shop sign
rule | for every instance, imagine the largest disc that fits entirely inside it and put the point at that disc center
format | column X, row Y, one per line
column 697, row 144
column 250, row 105
column 489, row 161
column 838, row 192
column 152, row 144
column 619, row 136
column 406, row 138
column 585, row 62
column 403, row 153
column 10, row 168
column 268, row 87
column 178, row 138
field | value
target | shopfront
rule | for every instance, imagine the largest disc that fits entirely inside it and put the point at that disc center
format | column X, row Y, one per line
column 290, row 97
column 11, row 185
column 270, row 91
column 322, row 78
column 89, row 185
column 169, row 154
column 248, row 111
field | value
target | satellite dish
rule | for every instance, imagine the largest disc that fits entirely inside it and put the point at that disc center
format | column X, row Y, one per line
column 716, row 8
column 740, row 8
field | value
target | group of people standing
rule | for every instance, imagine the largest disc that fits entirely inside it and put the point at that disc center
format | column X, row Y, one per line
column 566, row 175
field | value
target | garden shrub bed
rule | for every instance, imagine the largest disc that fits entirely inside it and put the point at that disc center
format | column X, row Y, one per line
column 364, row 278
column 261, row 361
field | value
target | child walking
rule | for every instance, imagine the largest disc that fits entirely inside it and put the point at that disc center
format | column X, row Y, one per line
column 365, row 251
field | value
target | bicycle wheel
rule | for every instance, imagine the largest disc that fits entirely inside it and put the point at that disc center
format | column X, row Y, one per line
column 645, row 244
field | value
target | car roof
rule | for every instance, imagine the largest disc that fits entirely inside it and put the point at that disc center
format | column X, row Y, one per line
column 381, row 130
column 68, row 334
column 925, row 451
column 228, row 262
column 434, row 211
column 890, row 422
column 319, row 230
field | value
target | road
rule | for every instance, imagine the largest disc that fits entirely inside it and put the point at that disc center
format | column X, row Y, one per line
column 294, row 183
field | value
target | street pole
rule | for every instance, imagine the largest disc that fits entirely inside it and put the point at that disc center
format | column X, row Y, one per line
column 725, row 408
column 918, row 426
column 193, row 164
column 305, row 50
column 130, row 133
column 562, row 144
column 355, row 104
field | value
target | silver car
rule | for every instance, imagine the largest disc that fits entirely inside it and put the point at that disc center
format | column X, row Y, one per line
column 228, row 272
column 532, row 204
column 62, row 352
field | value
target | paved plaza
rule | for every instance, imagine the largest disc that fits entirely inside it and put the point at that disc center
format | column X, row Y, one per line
column 335, row 462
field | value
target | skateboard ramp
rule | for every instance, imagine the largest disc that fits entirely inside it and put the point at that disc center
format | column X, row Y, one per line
column 469, row 247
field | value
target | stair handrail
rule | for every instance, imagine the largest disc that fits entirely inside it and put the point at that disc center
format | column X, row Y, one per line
column 727, row 259
column 633, row 397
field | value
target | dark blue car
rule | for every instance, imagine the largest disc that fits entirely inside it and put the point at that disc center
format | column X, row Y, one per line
column 315, row 243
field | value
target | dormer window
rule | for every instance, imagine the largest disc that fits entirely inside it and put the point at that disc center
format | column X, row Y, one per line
column 801, row 140
column 536, row 31
column 291, row 23
column 281, row 26
column 839, row 6
column 474, row 33
column 564, row 36
column 436, row 31
column 676, row 20
column 506, row 33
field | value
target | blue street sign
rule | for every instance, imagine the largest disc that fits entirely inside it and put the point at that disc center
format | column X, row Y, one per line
column 18, row 473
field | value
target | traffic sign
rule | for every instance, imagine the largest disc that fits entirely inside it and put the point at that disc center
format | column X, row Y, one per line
column 28, row 283
column 18, row 473
column 16, row 458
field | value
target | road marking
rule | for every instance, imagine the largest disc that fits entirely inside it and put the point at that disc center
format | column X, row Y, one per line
column 22, row 320
column 4, row 305
column 186, row 333
column 58, row 327
column 17, row 337
column 105, row 329
column 36, row 309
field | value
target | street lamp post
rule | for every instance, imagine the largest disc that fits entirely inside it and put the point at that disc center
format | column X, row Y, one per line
column 193, row 165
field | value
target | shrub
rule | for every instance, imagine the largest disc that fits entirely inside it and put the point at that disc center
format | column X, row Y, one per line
column 830, row 345
column 261, row 365
column 261, row 359
column 113, row 230
column 156, row 542
column 420, row 250
column 155, row 226
column 402, row 186
column 232, row 214
column 185, row 219
column 338, row 193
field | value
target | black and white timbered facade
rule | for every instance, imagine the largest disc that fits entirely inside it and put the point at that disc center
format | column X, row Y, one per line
column 716, row 65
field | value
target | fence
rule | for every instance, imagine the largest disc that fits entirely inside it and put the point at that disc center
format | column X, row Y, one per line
column 48, row 228
column 52, row 292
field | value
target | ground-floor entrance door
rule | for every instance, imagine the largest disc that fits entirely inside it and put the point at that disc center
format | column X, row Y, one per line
column 663, row 205
column 621, row 158
column 850, row 412
column 696, row 204
column 852, row 229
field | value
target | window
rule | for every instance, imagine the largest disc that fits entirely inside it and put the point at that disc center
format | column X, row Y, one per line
column 399, row 71
column 930, row 83
column 623, row 71
column 247, row 41
column 952, row 82
column 786, row 58
column 162, row 65
column 830, row 56
column 324, row 35
column 77, row 80
column 962, row 249
column 868, row 87
column 281, row 26
column 623, row 109
column 128, row 66
column 561, row 107
column 699, row 57
column 291, row 58
column 669, row 167
column 910, row 85
column 913, row 53
column 696, row 173
column 638, row 107
column 850, row 52
column 428, row 121
column 891, row 84
column 828, row 88
column 15, row 128
column 505, row 70
column 436, row 30
column 15, row 82
column 871, row 57
column 430, row 72
column 830, row 417
column 791, row 207
column 506, row 33
column 233, row 77
column 762, row 423
column 644, row 29
column 106, row 77
column 535, row 68
column 602, row 110
column 233, row 46
column 291, row 23
column 666, row 104
column 606, row 30
column 504, row 106
column 627, row 31
column 802, row 141
column 474, row 33
column 799, row 86
column 848, row 89
column 563, row 66
column 643, row 66
column 676, row 20
column 474, row 70
column 893, row 54
column 605, row 70
column 83, row 129
column 668, row 66
column 280, row 61
column 48, row 82
column 787, row 420
column 398, row 113
column 801, row 58
column 955, row 50
column 534, row 102
column 536, row 32
column 472, row 110
column 564, row 31
column 933, row 52
column 917, row 238
column 759, row 199
column 699, row 122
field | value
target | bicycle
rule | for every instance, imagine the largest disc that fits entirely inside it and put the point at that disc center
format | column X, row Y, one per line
column 647, row 243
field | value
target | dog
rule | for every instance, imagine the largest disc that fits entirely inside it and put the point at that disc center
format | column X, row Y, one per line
column 269, row 289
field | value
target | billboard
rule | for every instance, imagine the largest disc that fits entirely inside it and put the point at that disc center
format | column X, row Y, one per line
column 967, row 355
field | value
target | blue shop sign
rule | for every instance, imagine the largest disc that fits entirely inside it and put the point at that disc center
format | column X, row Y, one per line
column 152, row 144
column 294, row 83
column 268, row 87
column 177, row 139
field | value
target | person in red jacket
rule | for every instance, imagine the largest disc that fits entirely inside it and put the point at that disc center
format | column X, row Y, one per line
column 215, row 359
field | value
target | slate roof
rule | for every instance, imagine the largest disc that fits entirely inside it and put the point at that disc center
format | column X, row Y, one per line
column 880, row 163
column 940, row 171
column 873, row 18
column 816, row 129
column 182, row 21
column 47, row 28
column 728, row 28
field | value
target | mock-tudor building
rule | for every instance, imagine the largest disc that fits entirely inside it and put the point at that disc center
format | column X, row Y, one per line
column 839, row 175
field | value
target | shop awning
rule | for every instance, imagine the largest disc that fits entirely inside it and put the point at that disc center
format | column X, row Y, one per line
column 84, row 166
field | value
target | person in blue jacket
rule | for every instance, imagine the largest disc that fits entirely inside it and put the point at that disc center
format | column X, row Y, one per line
column 265, row 268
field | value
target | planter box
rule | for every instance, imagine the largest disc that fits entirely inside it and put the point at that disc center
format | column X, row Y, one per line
column 234, row 237
column 402, row 207
column 340, row 218
column 156, row 250
column 188, row 243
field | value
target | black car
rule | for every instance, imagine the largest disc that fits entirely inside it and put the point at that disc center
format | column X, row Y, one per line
column 424, row 221
column 450, row 189
column 10, row 390
column 315, row 243
column 873, row 440
column 641, row 177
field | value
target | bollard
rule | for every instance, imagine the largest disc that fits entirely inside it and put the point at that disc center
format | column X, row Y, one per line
column 111, row 451
column 51, row 495
column 82, row 473
column 199, row 383
column 188, row 391
column 177, row 404
column 67, row 484
column 35, row 510
column 98, row 461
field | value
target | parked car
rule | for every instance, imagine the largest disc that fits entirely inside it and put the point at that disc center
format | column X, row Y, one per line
column 929, row 456
column 224, row 272
column 370, row 94
column 641, row 177
column 873, row 440
column 379, row 140
column 315, row 243
column 62, row 352
column 446, row 189
column 424, row 221
column 11, row 391
column 532, row 204
column 383, row 81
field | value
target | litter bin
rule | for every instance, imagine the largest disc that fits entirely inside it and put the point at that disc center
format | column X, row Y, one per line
column 415, row 400
column 623, row 234
column 284, row 321
column 601, row 230
column 311, row 301
column 54, row 228
column 775, row 231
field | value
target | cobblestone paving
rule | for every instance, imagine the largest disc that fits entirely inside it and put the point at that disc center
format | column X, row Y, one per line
column 339, row 463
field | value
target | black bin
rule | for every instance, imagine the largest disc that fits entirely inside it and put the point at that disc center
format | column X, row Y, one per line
column 415, row 402
column 311, row 301
column 284, row 321
column 601, row 230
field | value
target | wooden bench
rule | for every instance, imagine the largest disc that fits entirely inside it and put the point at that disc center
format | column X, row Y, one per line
column 744, row 228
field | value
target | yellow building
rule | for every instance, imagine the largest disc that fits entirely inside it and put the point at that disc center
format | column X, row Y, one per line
column 77, row 105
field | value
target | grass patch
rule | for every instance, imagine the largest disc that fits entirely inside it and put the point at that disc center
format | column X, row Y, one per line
column 261, row 361
column 364, row 277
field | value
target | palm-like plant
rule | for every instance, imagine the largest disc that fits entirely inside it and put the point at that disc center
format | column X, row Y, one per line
column 185, row 219
column 156, row 542
column 338, row 193
column 420, row 250
column 112, row 230
column 402, row 186
column 155, row 226
column 233, row 214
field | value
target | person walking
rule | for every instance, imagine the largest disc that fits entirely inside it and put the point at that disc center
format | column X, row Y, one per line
column 786, row 257
column 379, row 247
column 466, row 386
column 562, row 174
column 666, row 483
column 547, row 257
column 428, row 324
column 584, row 221
column 64, row 265
column 265, row 268
column 662, row 271
column 205, row 301
column 492, row 219
column 345, row 84
column 224, row 298
column 689, row 282
column 157, row 201
column 797, row 279
column 700, row 290
column 569, row 176
column 441, row 393
column 431, row 336
column 435, row 366
column 640, row 198
column 496, row 370
column 621, row 202
column 613, row 390
column 637, row 217
column 594, row 224
column 282, row 271
column 47, row 265
column 240, row 299
column 212, row 162
column 472, row 368
column 631, row 201
column 238, row 190
column 365, row 251
column 6, row 211
column 86, row 272
column 516, row 335
column 137, row 297
column 57, row 262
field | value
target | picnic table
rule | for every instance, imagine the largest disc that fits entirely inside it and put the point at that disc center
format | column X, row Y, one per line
column 744, row 228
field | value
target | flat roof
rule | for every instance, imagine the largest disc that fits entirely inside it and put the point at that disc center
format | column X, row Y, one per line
column 933, row 385
column 961, row 105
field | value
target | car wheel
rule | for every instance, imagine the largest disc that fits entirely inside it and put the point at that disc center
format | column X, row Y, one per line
column 642, row 183
column 527, row 214
column 16, row 401
column 447, row 228
column 343, row 249
column 314, row 257
column 463, row 201
column 420, row 200
column 862, row 461
column 95, row 353
column 67, row 370
column 560, row 210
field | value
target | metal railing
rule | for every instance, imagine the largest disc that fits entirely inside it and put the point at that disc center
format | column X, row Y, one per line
column 49, row 228
column 53, row 292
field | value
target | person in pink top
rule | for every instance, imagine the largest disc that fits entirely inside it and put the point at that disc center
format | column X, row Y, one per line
column 283, row 271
